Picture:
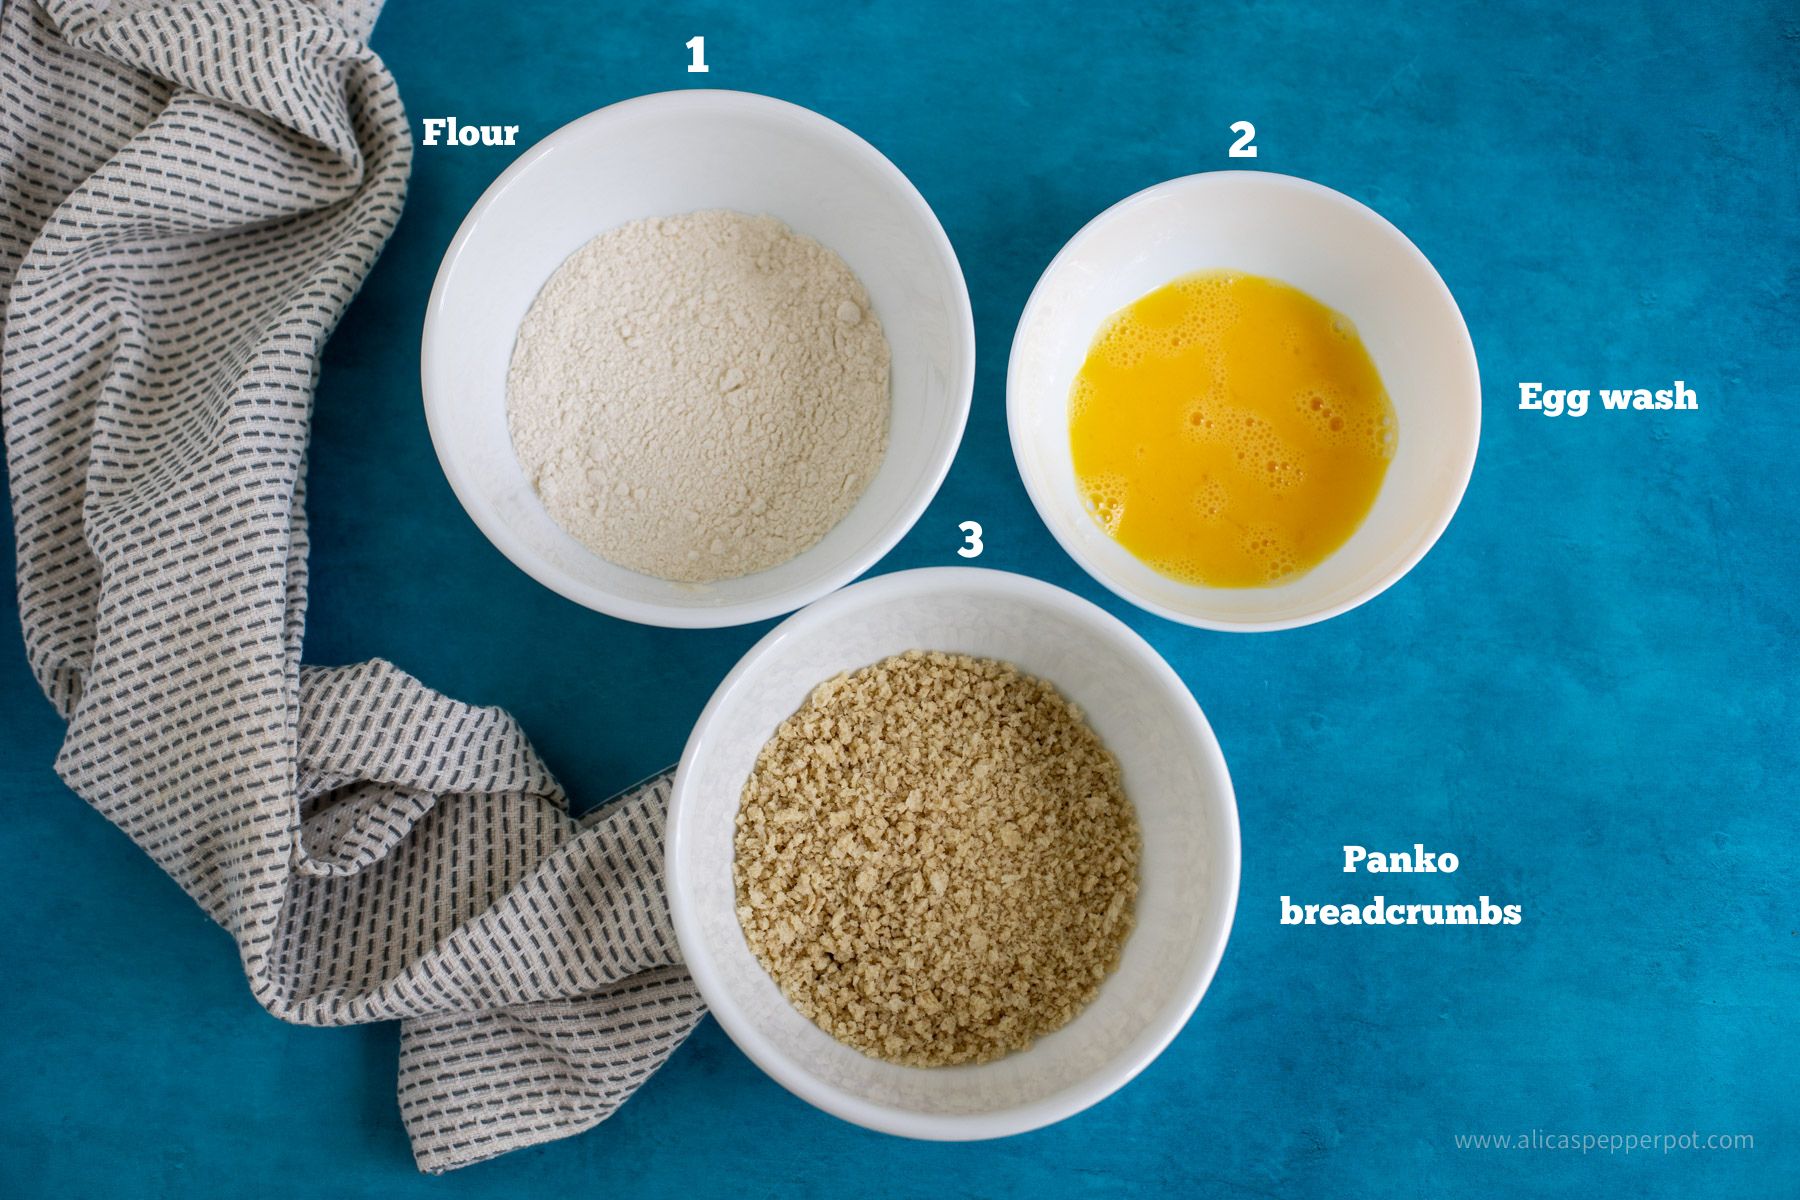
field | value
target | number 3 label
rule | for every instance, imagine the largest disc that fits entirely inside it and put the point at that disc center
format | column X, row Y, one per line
column 972, row 533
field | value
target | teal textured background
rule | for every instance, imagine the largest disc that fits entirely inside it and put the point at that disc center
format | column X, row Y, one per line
column 1587, row 690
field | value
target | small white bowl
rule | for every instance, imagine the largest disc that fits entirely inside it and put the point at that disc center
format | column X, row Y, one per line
column 1342, row 253
column 1173, row 773
column 661, row 155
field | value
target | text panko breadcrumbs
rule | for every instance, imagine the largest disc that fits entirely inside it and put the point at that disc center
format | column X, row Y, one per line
column 935, row 859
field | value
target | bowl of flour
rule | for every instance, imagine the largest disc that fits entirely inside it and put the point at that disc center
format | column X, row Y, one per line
column 698, row 358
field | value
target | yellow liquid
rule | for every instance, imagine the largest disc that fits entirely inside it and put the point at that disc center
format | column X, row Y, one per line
column 1229, row 430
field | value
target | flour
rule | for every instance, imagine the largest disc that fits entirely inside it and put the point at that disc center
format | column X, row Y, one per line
column 700, row 397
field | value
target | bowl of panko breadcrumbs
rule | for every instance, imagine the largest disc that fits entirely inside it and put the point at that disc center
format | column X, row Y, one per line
column 952, row 854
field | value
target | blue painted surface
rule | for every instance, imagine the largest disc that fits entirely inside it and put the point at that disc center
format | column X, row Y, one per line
column 1586, row 690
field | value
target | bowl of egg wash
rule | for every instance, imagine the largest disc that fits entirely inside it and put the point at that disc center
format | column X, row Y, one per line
column 1243, row 401
column 698, row 358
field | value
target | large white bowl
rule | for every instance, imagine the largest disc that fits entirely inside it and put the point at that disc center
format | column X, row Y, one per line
column 672, row 153
column 1173, row 773
column 1322, row 242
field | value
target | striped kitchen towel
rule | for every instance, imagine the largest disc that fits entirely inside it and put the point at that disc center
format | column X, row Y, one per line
column 193, row 190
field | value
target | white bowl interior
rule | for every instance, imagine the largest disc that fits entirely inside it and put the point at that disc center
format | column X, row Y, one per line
column 676, row 153
column 1324, row 243
column 1173, row 773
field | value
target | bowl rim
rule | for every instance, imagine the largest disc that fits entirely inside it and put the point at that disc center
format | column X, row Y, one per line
column 1016, row 403
column 697, row 101
column 1076, row 1097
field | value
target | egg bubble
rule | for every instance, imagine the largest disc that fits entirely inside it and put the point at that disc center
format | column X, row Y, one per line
column 1122, row 345
column 1104, row 497
column 1387, row 435
column 1081, row 396
column 1180, row 568
column 1264, row 454
column 1205, row 284
column 1210, row 500
column 1283, row 474
column 1210, row 305
column 1266, row 546
column 1201, row 421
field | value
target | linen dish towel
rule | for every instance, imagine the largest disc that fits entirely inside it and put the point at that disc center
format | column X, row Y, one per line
column 193, row 190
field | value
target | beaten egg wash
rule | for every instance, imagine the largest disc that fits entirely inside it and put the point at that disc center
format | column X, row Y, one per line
column 1229, row 430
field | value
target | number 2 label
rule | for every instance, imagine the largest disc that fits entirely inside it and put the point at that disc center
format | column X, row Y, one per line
column 1245, row 146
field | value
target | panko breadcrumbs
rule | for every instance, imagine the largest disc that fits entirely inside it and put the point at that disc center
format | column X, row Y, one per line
column 935, row 859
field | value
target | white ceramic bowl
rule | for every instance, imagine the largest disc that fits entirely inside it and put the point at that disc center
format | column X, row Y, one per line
column 1173, row 773
column 672, row 153
column 1322, row 242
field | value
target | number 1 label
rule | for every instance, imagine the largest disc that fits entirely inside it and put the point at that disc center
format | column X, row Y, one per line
column 699, row 67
